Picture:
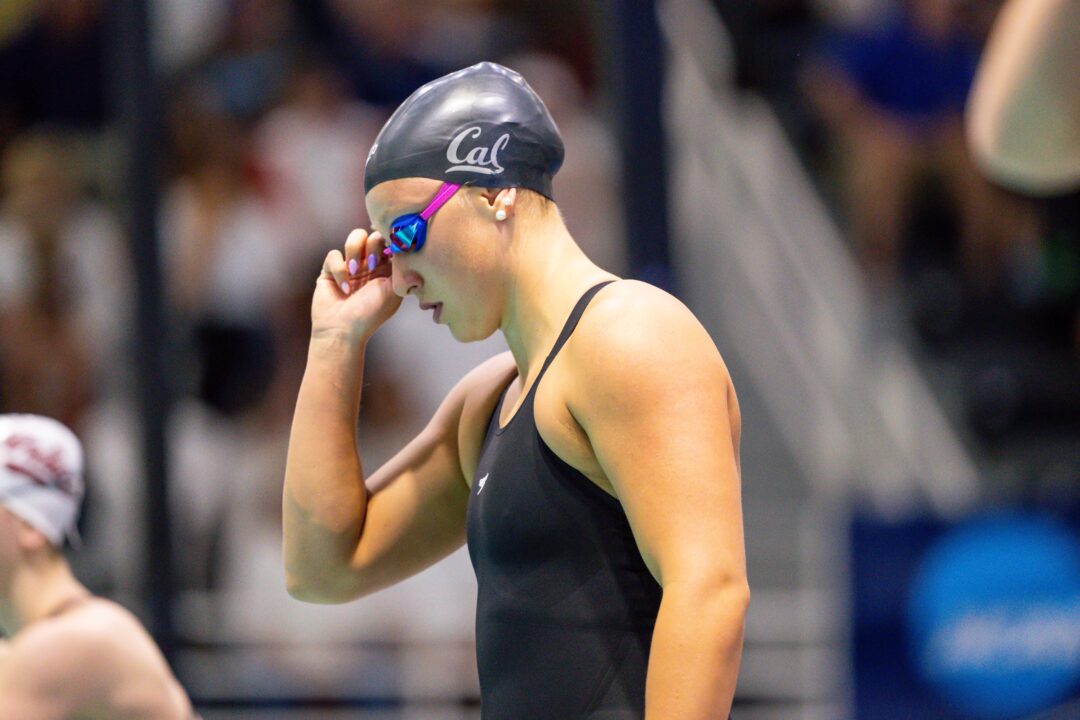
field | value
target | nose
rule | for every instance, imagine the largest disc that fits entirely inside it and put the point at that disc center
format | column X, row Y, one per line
column 403, row 279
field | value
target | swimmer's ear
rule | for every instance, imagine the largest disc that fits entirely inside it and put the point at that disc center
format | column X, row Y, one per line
column 29, row 537
column 500, row 198
column 491, row 195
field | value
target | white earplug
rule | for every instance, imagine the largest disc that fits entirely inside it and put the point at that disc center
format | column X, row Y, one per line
column 500, row 215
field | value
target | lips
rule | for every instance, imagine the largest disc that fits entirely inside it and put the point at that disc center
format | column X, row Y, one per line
column 436, row 306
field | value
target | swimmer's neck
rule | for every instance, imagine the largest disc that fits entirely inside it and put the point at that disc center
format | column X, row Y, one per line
column 39, row 586
column 549, row 276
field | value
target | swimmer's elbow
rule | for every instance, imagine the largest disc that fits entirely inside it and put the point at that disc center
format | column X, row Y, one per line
column 318, row 567
column 1031, row 156
column 300, row 590
column 320, row 591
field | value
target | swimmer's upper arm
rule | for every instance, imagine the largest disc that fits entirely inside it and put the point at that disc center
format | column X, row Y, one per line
column 653, row 395
column 417, row 500
column 655, row 399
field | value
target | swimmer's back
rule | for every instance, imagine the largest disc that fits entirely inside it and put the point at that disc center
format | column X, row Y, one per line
column 94, row 661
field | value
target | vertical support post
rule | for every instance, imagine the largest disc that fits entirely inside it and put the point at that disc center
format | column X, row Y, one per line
column 135, row 93
column 629, row 36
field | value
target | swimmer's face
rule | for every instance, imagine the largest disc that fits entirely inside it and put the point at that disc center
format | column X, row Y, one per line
column 461, row 265
column 9, row 547
column 17, row 539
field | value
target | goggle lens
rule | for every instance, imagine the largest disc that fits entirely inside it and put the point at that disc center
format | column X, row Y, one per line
column 407, row 235
column 408, row 232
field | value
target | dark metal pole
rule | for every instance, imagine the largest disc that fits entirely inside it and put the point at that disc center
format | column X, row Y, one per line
column 136, row 95
column 629, row 36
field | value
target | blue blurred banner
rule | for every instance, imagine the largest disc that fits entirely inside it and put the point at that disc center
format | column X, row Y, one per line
column 973, row 620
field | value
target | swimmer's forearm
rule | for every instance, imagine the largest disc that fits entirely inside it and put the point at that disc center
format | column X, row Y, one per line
column 695, row 652
column 1024, row 109
column 324, row 498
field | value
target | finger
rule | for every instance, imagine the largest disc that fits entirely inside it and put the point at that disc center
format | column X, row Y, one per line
column 382, row 269
column 374, row 248
column 354, row 251
column 334, row 269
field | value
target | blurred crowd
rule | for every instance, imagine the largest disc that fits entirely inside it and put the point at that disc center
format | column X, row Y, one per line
column 873, row 94
column 269, row 109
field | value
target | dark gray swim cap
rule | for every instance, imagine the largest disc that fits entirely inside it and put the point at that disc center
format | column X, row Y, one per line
column 481, row 126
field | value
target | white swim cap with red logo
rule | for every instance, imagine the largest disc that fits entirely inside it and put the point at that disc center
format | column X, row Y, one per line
column 41, row 475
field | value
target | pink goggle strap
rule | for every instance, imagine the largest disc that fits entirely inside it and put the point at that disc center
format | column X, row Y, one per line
column 445, row 193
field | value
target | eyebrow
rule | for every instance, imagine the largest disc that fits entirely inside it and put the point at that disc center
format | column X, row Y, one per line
column 378, row 222
column 419, row 207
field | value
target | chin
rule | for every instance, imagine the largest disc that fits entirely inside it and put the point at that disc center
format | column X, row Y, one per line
column 461, row 335
column 468, row 334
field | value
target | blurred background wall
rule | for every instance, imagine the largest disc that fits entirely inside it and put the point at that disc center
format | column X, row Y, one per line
column 903, row 333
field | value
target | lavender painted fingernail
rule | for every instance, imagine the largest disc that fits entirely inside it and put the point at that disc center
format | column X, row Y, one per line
column 345, row 288
column 353, row 266
column 372, row 260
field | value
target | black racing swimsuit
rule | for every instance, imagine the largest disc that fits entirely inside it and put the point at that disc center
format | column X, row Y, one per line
column 566, row 606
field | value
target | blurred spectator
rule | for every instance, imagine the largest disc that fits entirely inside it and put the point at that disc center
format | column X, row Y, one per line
column 186, row 32
column 373, row 42
column 893, row 94
column 249, row 71
column 388, row 48
column 63, row 284
column 223, row 253
column 459, row 33
column 311, row 152
column 768, row 38
column 226, row 273
column 14, row 17
column 54, row 70
column 564, row 28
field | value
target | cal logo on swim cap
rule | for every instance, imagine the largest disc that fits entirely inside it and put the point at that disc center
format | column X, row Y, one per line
column 481, row 160
column 481, row 126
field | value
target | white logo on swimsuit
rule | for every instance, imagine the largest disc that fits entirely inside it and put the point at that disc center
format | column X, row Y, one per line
column 482, row 160
column 481, row 483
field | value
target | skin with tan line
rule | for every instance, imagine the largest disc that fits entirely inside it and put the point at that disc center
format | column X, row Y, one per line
column 91, row 660
column 639, row 401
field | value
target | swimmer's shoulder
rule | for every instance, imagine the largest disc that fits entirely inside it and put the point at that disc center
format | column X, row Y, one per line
column 639, row 319
column 92, row 630
column 65, row 658
column 636, row 335
column 113, row 657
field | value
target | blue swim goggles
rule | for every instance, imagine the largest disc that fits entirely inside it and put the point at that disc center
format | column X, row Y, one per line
column 408, row 232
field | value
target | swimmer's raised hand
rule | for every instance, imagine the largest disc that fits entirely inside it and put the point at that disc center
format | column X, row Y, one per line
column 354, row 295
